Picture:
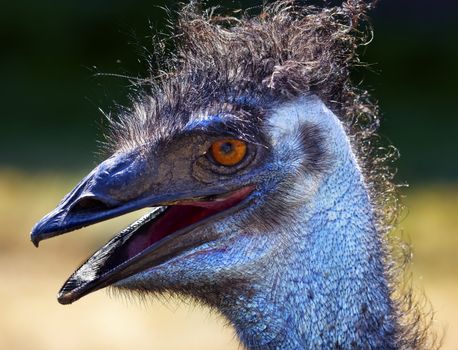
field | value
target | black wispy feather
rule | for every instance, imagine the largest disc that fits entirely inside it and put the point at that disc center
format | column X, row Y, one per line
column 285, row 51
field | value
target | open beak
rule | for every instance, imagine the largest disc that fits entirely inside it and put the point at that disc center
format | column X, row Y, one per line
column 122, row 184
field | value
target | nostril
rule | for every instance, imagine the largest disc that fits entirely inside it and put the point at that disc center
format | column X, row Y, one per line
column 90, row 204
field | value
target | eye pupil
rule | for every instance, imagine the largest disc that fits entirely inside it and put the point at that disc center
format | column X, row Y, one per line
column 227, row 148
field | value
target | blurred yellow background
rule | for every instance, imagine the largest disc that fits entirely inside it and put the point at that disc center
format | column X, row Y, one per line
column 31, row 318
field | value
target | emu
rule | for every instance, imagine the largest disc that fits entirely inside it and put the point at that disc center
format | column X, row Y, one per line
column 270, row 203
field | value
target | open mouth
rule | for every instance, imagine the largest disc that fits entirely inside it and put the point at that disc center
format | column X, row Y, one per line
column 154, row 239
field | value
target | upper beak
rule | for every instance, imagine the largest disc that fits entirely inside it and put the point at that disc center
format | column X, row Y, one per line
column 117, row 186
column 121, row 184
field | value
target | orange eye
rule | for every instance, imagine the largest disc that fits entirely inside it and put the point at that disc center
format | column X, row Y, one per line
column 228, row 152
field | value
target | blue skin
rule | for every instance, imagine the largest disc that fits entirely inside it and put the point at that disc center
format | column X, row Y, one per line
column 318, row 282
column 302, row 266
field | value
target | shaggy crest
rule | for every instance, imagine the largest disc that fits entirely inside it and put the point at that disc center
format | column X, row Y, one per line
column 285, row 51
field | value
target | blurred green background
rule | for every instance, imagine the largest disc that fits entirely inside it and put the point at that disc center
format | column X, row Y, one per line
column 50, row 121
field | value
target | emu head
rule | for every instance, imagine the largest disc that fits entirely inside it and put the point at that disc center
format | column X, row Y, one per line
column 230, row 148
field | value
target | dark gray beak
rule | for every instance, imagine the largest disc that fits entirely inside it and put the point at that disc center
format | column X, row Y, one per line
column 127, row 182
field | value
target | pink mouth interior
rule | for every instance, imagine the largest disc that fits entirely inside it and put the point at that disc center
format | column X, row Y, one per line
column 180, row 216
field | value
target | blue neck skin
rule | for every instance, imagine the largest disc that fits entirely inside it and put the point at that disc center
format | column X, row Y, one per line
column 330, row 290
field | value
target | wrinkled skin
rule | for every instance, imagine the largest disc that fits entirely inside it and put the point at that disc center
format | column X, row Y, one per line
column 298, row 264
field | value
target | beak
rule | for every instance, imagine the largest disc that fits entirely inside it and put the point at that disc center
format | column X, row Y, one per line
column 125, row 183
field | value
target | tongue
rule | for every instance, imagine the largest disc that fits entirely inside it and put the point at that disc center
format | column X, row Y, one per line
column 180, row 216
column 175, row 218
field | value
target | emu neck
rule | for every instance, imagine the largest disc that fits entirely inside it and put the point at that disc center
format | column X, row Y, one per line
column 329, row 289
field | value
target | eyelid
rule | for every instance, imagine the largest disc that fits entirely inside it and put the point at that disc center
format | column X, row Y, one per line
column 208, row 164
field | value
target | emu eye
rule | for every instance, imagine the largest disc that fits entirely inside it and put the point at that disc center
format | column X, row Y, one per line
column 228, row 152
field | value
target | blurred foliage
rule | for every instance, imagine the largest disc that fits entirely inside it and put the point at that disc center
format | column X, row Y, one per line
column 50, row 51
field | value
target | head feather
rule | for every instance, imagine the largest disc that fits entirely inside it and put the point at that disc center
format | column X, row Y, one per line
column 284, row 51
